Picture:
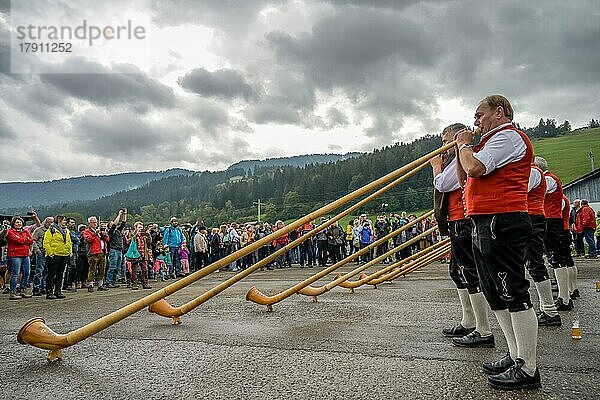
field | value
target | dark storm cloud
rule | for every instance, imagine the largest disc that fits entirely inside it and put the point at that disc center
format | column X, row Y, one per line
column 223, row 84
column 335, row 118
column 210, row 116
column 114, row 135
column 109, row 86
column 344, row 49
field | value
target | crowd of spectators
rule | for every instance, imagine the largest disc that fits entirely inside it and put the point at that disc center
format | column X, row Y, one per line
column 57, row 255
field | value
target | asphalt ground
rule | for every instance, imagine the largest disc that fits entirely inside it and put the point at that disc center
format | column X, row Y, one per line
column 375, row 343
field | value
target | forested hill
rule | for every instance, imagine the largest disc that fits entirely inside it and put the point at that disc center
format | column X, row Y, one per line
column 26, row 194
column 295, row 161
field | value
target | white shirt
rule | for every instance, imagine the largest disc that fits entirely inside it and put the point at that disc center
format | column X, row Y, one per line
column 551, row 184
column 447, row 181
column 504, row 148
column 535, row 178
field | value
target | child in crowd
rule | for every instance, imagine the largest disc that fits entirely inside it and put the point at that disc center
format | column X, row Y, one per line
column 160, row 266
column 184, row 258
column 168, row 262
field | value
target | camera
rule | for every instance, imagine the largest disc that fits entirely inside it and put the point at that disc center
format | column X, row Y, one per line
column 30, row 213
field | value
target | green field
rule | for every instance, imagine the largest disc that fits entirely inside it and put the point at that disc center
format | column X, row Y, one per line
column 568, row 156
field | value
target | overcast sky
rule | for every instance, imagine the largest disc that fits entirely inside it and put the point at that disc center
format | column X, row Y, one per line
column 218, row 81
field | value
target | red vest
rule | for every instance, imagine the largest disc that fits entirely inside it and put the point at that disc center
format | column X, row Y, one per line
column 566, row 213
column 456, row 207
column 504, row 190
column 553, row 201
column 535, row 198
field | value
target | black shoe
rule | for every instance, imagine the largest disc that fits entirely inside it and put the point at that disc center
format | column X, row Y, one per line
column 498, row 367
column 457, row 331
column 36, row 292
column 515, row 378
column 592, row 257
column 59, row 295
column 7, row 291
column 43, row 291
column 90, row 288
column 50, row 296
column 102, row 288
column 575, row 294
column 561, row 306
column 474, row 339
column 546, row 320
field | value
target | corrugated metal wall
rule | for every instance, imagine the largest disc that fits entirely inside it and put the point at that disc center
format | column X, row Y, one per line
column 587, row 189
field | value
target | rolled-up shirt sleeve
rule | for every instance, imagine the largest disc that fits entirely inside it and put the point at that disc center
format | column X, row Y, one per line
column 503, row 148
column 447, row 181
column 551, row 184
column 535, row 178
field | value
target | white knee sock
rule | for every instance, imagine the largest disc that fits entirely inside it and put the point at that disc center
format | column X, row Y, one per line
column 480, row 309
column 562, row 279
column 572, row 278
column 505, row 322
column 468, row 316
column 544, row 290
column 525, row 327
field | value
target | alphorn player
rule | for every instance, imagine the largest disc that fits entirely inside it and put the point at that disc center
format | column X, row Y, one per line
column 534, row 252
column 496, row 177
column 474, row 328
column 553, row 205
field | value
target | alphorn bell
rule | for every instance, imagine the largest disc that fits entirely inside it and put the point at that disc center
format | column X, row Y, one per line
column 36, row 333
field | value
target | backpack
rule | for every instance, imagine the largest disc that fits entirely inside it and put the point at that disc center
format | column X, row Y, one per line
column 227, row 238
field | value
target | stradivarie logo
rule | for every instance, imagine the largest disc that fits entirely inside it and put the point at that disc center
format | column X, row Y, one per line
column 85, row 31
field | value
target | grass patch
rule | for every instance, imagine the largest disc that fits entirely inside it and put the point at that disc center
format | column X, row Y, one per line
column 568, row 155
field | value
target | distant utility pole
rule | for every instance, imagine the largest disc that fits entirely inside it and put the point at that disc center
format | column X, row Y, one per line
column 257, row 203
column 592, row 158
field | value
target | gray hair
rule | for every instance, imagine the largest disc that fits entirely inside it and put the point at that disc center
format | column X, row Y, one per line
column 90, row 219
column 454, row 128
column 541, row 163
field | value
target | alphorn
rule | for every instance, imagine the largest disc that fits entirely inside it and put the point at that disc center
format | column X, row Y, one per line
column 36, row 333
column 411, row 260
column 314, row 292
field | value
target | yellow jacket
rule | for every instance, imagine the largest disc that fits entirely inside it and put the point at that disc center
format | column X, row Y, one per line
column 57, row 245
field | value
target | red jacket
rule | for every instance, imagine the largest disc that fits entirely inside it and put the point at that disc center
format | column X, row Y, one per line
column 503, row 190
column 282, row 240
column 95, row 242
column 586, row 218
column 19, row 243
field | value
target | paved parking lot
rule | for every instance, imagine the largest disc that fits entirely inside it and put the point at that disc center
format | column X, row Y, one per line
column 375, row 343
